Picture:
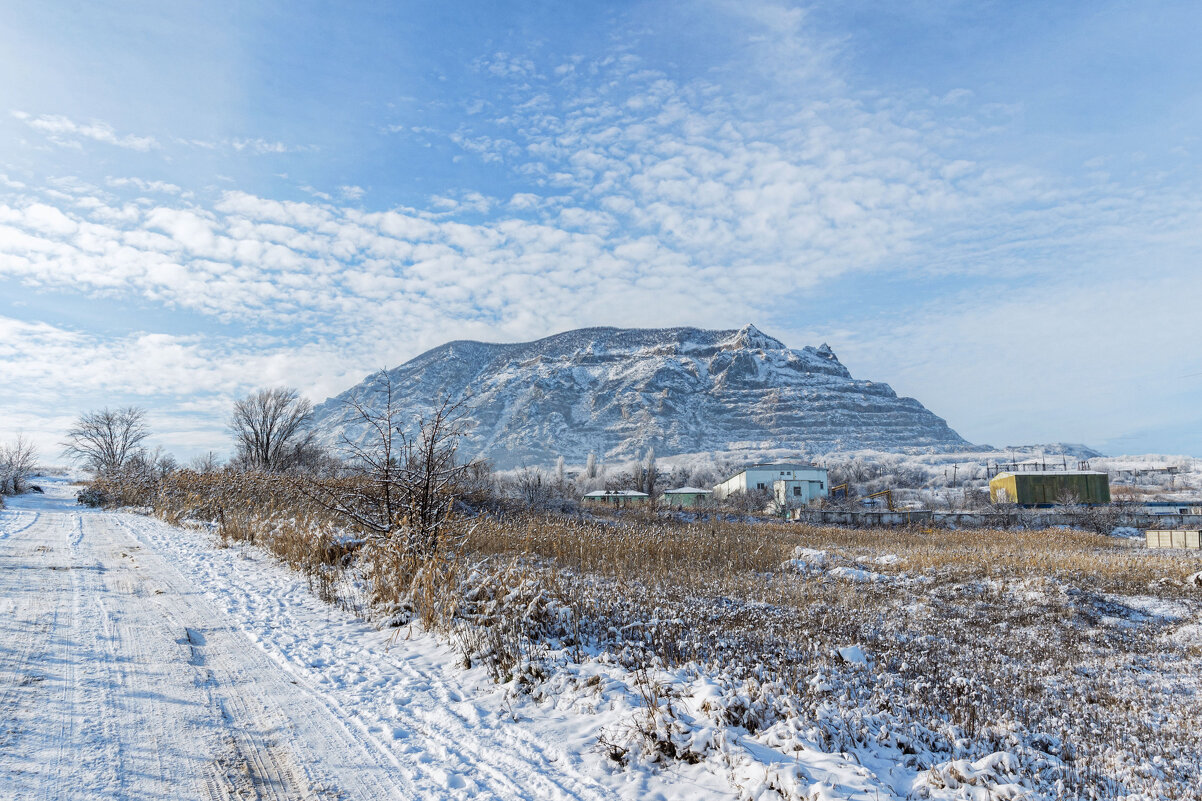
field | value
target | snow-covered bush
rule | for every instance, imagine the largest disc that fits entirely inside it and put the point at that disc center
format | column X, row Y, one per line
column 1041, row 664
column 18, row 459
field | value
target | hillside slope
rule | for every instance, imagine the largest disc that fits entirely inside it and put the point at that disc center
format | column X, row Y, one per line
column 617, row 392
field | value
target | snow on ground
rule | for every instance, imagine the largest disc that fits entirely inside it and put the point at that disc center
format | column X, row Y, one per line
column 139, row 661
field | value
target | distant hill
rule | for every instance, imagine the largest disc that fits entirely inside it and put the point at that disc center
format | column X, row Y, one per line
column 617, row 392
column 1072, row 449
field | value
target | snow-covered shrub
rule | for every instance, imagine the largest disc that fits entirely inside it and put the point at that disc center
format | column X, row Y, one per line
column 18, row 460
column 92, row 496
column 974, row 664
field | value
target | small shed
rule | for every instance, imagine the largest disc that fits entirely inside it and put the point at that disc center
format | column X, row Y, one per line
column 1050, row 487
column 1174, row 538
column 687, row 496
column 619, row 499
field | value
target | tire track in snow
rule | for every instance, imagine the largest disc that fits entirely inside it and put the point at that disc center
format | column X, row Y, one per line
column 270, row 723
column 77, row 534
column 462, row 754
column 118, row 713
column 25, row 621
column 510, row 779
column 250, row 764
column 237, row 760
column 66, row 694
column 13, row 522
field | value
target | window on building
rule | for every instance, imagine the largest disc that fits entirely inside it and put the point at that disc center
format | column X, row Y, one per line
column 797, row 491
column 761, row 486
column 821, row 485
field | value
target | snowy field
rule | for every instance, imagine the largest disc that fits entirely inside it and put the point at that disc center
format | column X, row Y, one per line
column 656, row 660
column 137, row 661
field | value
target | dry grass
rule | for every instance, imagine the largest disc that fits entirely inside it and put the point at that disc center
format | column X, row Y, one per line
column 642, row 548
column 980, row 640
column 974, row 634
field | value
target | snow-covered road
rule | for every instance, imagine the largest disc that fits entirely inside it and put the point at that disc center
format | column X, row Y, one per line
column 138, row 661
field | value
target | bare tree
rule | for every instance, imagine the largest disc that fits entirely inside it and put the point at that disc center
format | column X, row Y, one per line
column 753, row 501
column 105, row 440
column 535, row 491
column 206, row 463
column 401, row 487
column 270, row 428
column 17, row 462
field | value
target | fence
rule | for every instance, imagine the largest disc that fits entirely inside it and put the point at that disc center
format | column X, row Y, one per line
column 1021, row 518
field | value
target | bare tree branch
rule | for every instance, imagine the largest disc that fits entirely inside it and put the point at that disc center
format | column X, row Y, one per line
column 17, row 462
column 270, row 428
column 106, row 439
column 397, row 487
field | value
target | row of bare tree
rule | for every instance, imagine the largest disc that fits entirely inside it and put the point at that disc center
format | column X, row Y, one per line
column 397, row 482
column 270, row 429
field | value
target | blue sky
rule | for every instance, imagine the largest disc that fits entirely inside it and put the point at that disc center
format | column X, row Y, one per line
column 994, row 207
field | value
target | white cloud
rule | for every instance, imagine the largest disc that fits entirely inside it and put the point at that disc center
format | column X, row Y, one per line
column 48, row 374
column 65, row 131
column 1070, row 359
column 265, row 146
column 161, row 187
column 637, row 198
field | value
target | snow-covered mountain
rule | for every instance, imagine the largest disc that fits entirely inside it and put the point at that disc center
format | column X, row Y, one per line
column 617, row 392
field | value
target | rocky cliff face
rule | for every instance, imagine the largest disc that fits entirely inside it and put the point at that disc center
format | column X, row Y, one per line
column 617, row 392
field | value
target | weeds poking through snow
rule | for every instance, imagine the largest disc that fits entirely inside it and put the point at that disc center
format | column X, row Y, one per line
column 1006, row 664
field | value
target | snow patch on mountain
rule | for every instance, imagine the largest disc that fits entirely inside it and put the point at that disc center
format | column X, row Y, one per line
column 617, row 392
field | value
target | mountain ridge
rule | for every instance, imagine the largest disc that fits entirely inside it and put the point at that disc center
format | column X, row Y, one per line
column 616, row 392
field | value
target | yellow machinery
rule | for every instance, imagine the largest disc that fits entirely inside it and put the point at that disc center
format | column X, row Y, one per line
column 888, row 498
column 844, row 491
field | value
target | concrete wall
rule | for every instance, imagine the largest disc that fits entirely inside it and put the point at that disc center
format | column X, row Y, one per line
column 619, row 501
column 834, row 517
column 1028, row 519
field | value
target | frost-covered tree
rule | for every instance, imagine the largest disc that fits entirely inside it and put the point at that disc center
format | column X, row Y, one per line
column 105, row 440
column 271, row 428
column 400, row 488
column 17, row 462
column 207, row 463
column 533, row 489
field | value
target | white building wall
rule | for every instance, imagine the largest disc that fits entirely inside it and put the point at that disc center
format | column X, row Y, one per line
column 764, row 477
column 798, row 493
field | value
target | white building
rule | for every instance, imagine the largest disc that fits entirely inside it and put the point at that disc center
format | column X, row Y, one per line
column 798, row 483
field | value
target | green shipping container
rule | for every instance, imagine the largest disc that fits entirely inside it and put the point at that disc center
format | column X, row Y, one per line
column 1048, row 488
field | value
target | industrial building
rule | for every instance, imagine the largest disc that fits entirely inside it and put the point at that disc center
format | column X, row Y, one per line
column 1050, row 487
column 800, row 483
